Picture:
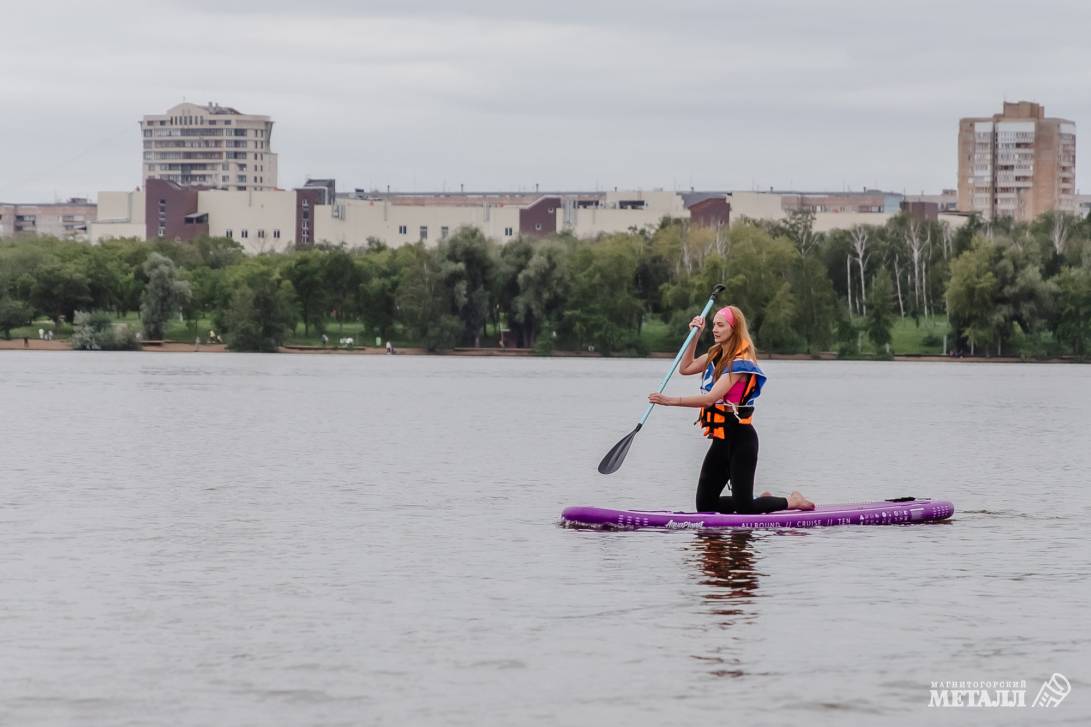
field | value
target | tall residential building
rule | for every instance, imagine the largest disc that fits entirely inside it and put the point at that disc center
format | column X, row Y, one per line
column 1017, row 163
column 209, row 146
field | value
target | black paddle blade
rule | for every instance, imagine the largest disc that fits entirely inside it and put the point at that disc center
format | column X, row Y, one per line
column 613, row 459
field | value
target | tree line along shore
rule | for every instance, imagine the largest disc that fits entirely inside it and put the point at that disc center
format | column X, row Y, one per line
column 988, row 289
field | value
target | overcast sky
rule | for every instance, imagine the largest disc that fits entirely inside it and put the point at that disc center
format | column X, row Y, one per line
column 430, row 94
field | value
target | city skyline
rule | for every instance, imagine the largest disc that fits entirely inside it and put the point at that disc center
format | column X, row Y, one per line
column 420, row 97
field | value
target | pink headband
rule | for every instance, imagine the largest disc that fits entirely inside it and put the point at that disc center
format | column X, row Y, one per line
column 728, row 315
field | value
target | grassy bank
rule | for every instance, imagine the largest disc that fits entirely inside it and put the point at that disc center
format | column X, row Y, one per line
column 910, row 337
column 923, row 337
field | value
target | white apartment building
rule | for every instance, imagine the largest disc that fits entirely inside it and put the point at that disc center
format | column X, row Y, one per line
column 211, row 146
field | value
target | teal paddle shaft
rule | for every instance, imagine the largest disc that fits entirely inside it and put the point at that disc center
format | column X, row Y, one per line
column 678, row 358
column 613, row 459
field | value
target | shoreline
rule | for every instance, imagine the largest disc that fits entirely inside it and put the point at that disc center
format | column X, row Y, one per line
column 179, row 347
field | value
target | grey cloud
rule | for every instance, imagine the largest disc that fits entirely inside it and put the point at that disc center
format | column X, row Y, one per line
column 496, row 93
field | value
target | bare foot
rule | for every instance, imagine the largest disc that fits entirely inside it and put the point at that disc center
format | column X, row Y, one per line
column 766, row 494
column 797, row 501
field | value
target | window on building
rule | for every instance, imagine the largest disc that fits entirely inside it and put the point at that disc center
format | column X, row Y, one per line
column 507, row 232
column 225, row 178
column 261, row 234
column 424, row 232
column 241, row 179
column 443, row 232
column 402, row 230
column 162, row 231
column 306, row 214
column 229, row 234
column 538, row 226
column 276, row 234
column 306, row 204
column 244, row 234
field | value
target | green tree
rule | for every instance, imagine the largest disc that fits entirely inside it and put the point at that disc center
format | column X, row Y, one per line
column 424, row 298
column 512, row 260
column 210, row 295
column 1074, row 309
column 880, row 310
column 130, row 255
column 997, row 293
column 13, row 314
column 307, row 272
column 471, row 271
column 218, row 252
column 972, row 294
column 341, row 279
column 108, row 276
column 817, row 312
column 262, row 313
column 603, row 308
column 754, row 270
column 543, row 291
column 798, row 227
column 59, row 289
column 163, row 294
column 777, row 331
column 376, row 294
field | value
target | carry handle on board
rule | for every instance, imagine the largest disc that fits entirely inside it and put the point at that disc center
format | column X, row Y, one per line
column 613, row 459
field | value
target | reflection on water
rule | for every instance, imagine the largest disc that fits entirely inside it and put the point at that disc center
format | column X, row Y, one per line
column 727, row 564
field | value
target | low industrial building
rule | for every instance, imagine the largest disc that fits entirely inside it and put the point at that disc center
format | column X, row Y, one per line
column 266, row 220
column 263, row 220
column 841, row 210
column 67, row 220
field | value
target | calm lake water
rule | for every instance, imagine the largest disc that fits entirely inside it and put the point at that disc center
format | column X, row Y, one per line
column 197, row 539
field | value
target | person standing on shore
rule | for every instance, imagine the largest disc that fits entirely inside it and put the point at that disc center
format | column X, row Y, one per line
column 727, row 408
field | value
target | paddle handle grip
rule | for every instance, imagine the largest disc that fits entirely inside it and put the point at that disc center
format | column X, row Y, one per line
column 678, row 358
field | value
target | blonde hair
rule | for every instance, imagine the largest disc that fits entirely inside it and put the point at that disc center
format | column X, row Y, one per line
column 738, row 345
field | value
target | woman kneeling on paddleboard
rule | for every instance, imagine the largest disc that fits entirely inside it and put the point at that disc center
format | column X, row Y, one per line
column 727, row 406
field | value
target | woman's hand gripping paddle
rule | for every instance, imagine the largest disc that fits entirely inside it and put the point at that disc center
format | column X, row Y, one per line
column 613, row 459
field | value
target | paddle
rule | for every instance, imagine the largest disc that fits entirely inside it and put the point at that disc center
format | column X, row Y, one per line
column 613, row 459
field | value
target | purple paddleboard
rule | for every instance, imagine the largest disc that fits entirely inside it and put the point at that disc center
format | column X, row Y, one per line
column 888, row 512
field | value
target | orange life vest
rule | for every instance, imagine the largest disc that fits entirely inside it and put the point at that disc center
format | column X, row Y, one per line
column 713, row 419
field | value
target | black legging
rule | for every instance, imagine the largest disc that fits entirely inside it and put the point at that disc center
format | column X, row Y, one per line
column 734, row 458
